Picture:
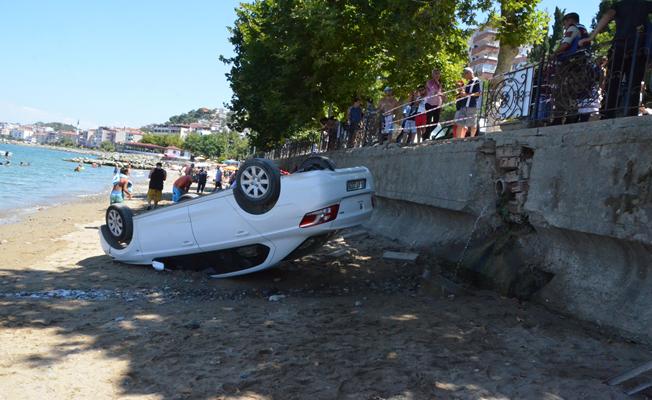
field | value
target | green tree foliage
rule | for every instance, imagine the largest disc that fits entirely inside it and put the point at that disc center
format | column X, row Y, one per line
column 218, row 146
column 57, row 126
column 295, row 59
column 107, row 146
column 200, row 114
column 549, row 43
column 603, row 40
column 162, row 140
column 519, row 23
column 66, row 142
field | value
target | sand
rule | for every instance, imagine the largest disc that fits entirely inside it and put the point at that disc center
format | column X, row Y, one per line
column 75, row 325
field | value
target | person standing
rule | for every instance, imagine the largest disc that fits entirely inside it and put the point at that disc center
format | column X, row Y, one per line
column 388, row 106
column 628, row 55
column 218, row 179
column 420, row 119
column 354, row 118
column 434, row 102
column 180, row 187
column 202, row 176
column 156, row 178
column 120, row 187
column 469, row 112
column 460, row 103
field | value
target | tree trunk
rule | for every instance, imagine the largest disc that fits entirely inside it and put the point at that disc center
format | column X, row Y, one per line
column 505, row 58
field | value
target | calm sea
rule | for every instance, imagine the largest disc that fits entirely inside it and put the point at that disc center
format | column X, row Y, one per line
column 48, row 180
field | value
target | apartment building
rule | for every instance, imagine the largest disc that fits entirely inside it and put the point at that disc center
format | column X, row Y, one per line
column 483, row 53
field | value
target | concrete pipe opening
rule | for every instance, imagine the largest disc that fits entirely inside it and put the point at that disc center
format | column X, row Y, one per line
column 501, row 187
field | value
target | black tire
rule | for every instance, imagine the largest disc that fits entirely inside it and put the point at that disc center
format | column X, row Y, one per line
column 258, row 185
column 316, row 163
column 119, row 222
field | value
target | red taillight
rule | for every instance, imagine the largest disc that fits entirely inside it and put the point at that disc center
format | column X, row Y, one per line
column 324, row 215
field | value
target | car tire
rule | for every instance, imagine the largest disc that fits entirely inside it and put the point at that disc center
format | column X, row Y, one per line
column 257, row 186
column 120, row 222
column 316, row 163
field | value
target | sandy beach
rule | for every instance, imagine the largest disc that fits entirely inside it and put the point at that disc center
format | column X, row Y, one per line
column 75, row 325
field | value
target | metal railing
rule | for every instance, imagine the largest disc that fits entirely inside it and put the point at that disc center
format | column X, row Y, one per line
column 560, row 89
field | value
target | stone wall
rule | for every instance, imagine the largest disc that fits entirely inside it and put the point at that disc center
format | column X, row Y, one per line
column 561, row 215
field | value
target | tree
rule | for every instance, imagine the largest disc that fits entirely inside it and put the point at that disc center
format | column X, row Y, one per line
column 66, row 142
column 162, row 140
column 107, row 146
column 57, row 126
column 603, row 40
column 293, row 60
column 549, row 43
column 519, row 23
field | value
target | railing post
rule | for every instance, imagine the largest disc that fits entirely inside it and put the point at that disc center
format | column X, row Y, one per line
column 631, row 72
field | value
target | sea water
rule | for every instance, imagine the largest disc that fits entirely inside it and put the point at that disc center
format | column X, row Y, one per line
column 47, row 180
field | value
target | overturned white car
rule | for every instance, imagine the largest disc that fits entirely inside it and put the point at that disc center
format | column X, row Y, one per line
column 264, row 219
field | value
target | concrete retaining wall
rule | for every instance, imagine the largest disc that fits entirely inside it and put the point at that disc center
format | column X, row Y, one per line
column 562, row 215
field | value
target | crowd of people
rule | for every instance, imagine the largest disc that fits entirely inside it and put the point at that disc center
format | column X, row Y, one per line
column 609, row 86
column 188, row 174
column 413, row 121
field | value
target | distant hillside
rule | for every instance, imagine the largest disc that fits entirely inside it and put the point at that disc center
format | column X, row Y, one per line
column 57, row 126
column 199, row 115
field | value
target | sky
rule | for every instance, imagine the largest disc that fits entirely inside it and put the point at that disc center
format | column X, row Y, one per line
column 123, row 63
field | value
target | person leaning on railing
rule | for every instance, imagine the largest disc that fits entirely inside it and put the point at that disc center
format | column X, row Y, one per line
column 628, row 55
column 388, row 106
column 433, row 103
column 570, row 71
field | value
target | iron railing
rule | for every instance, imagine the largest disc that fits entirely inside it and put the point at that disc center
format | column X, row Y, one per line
column 594, row 82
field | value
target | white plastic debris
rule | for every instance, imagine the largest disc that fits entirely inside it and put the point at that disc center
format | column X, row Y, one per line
column 276, row 297
column 157, row 265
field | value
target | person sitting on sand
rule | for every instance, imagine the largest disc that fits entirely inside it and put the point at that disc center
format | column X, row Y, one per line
column 181, row 186
column 120, row 187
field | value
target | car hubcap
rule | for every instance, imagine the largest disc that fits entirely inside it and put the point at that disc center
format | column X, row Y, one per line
column 255, row 182
column 115, row 223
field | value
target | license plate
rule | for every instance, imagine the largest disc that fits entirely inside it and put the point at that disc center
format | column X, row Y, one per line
column 356, row 184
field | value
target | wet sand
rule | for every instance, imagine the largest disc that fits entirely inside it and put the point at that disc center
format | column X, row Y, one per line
column 74, row 324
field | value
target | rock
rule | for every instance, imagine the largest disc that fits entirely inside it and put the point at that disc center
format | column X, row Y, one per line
column 356, row 233
column 192, row 325
column 400, row 256
column 338, row 253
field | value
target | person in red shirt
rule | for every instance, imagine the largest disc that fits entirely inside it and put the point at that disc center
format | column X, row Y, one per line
column 181, row 186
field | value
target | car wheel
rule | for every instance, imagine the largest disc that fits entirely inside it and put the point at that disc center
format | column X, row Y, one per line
column 257, row 186
column 316, row 163
column 119, row 221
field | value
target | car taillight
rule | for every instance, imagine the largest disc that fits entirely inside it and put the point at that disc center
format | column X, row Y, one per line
column 324, row 215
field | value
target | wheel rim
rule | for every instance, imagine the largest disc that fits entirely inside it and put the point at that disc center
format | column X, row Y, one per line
column 254, row 182
column 114, row 221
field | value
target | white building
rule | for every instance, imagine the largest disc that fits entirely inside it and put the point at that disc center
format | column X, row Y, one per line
column 180, row 130
column 484, row 50
column 22, row 133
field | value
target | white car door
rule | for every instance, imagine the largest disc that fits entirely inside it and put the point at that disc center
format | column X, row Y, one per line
column 216, row 225
column 166, row 232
